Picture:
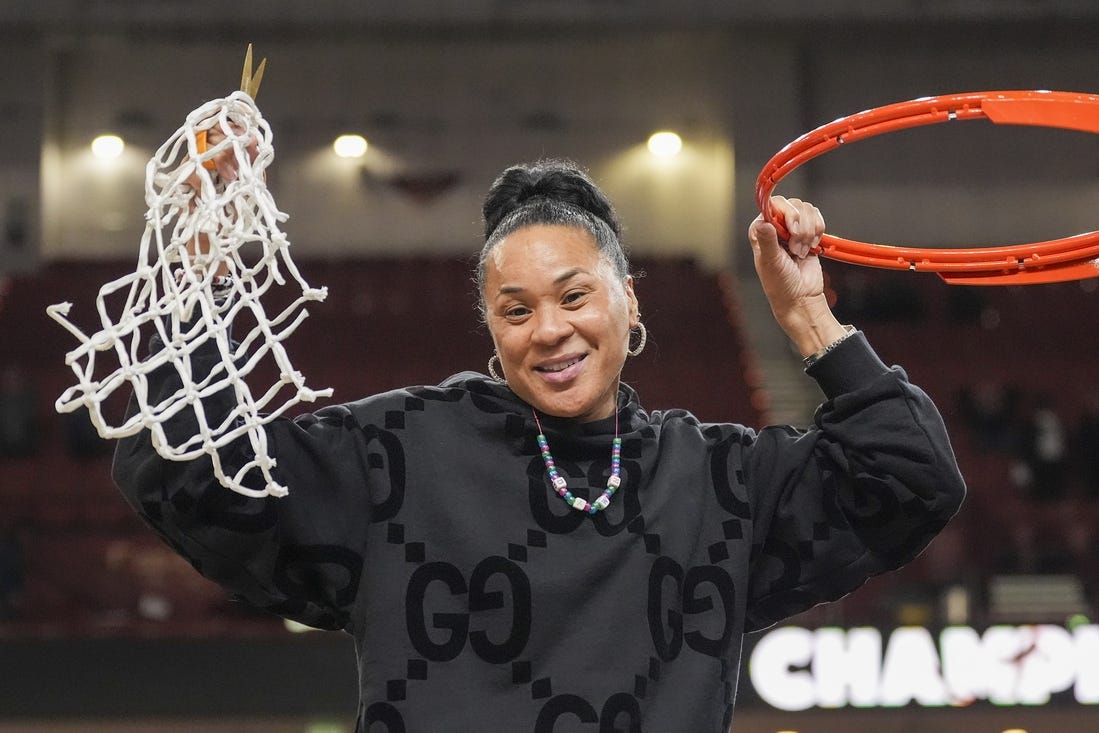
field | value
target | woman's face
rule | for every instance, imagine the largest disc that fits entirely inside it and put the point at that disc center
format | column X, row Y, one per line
column 560, row 317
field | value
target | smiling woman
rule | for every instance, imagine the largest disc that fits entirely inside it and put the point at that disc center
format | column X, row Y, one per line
column 560, row 317
column 424, row 521
column 556, row 291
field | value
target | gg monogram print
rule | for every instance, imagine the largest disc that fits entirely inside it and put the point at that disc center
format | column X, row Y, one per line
column 422, row 523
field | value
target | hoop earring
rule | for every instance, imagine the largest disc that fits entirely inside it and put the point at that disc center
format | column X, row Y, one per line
column 640, row 344
column 492, row 370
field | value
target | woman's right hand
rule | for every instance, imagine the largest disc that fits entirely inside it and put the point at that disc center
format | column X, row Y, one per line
column 223, row 167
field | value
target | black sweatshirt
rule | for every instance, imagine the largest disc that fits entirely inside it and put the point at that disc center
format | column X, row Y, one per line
column 421, row 521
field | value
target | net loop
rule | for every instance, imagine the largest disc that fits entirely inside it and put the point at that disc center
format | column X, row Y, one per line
column 176, row 296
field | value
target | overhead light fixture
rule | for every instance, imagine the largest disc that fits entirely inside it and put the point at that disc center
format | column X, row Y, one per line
column 665, row 144
column 106, row 147
column 350, row 146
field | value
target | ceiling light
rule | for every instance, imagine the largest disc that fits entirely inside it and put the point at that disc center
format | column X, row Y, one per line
column 105, row 147
column 665, row 144
column 350, row 146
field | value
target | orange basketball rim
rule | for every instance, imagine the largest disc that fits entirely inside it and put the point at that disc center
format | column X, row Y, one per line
column 1070, row 258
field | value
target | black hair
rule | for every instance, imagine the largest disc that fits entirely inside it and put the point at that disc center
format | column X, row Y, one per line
column 549, row 192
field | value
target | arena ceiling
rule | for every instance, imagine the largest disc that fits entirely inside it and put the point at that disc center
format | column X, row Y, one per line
column 305, row 15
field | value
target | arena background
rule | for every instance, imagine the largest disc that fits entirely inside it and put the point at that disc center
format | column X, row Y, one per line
column 103, row 629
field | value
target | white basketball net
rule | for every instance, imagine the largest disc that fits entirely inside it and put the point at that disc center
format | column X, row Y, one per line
column 174, row 295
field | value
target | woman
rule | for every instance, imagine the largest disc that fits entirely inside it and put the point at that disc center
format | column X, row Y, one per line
column 535, row 551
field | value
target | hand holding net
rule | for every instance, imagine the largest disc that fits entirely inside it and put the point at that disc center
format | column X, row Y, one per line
column 191, row 284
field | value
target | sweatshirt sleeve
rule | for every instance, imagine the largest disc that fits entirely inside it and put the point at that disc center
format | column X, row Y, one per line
column 299, row 556
column 860, row 493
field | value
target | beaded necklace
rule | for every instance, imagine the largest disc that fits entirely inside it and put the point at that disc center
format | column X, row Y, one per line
column 613, row 482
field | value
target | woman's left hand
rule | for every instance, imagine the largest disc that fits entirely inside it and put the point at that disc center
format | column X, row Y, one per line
column 788, row 270
column 791, row 274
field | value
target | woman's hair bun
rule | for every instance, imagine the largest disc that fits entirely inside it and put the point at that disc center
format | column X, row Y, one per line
column 549, row 180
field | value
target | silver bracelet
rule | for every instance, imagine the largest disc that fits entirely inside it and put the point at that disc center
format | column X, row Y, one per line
column 812, row 359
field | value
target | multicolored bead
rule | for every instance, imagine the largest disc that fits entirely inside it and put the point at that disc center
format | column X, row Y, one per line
column 614, row 481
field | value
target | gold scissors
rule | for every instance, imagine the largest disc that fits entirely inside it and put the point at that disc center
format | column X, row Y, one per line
column 249, row 84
